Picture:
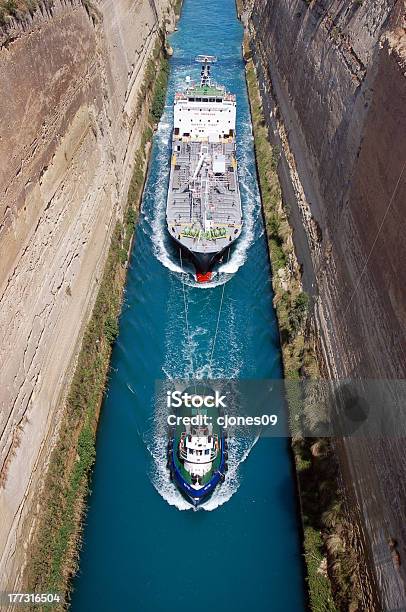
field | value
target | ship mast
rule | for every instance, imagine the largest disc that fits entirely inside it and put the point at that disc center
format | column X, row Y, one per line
column 206, row 61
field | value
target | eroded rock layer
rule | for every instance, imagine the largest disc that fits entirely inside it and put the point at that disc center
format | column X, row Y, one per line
column 70, row 124
column 332, row 75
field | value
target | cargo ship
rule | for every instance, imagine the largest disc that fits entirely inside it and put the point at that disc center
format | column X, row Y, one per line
column 197, row 451
column 203, row 214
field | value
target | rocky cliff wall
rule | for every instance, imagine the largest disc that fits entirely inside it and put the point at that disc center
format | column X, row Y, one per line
column 70, row 124
column 333, row 84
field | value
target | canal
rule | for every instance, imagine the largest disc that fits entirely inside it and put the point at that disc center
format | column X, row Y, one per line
column 144, row 548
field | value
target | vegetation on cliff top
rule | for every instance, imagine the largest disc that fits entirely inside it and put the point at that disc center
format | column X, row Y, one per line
column 54, row 551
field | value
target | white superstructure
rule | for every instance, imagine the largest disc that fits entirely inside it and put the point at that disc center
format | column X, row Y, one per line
column 198, row 448
column 199, row 118
column 205, row 111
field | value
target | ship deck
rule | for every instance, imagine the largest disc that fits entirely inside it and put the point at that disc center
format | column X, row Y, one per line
column 204, row 207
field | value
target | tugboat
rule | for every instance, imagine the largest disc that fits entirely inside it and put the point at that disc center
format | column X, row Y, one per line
column 203, row 213
column 197, row 451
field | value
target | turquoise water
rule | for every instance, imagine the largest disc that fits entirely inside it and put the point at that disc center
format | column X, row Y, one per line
column 144, row 548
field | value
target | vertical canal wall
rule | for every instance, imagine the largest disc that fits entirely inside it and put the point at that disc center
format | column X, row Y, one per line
column 332, row 79
column 73, row 111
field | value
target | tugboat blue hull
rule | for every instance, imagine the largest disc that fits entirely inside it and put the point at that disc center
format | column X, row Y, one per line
column 196, row 496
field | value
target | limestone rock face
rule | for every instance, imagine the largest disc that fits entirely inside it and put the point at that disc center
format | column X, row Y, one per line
column 333, row 84
column 70, row 77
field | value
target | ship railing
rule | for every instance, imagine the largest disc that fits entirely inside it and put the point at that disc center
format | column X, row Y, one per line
column 184, row 455
column 185, row 434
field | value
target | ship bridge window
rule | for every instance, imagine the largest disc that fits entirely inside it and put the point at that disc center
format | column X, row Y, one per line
column 207, row 451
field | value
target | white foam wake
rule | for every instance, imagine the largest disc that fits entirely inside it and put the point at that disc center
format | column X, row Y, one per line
column 238, row 451
column 157, row 193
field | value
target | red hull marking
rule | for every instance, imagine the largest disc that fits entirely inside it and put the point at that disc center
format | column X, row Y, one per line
column 203, row 278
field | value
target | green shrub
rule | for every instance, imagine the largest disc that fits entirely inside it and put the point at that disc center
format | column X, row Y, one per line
column 298, row 311
column 161, row 84
column 321, row 598
column 11, row 6
column 111, row 329
column 131, row 218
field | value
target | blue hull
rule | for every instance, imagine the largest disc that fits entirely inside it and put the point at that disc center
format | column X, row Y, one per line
column 196, row 497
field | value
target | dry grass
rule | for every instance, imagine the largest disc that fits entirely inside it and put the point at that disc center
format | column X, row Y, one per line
column 290, row 301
